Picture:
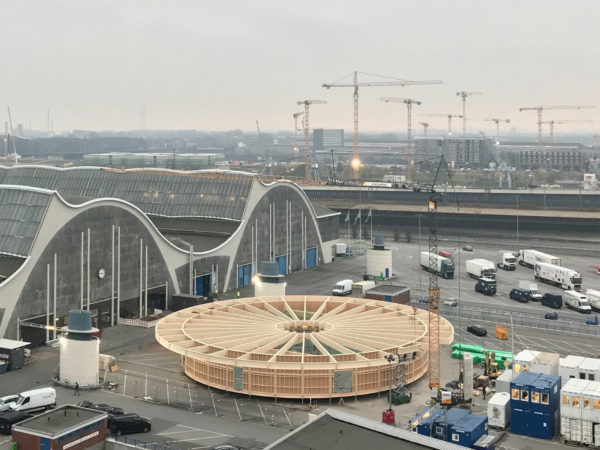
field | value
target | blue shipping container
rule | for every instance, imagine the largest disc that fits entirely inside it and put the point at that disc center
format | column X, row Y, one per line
column 424, row 424
column 443, row 424
column 468, row 430
column 535, row 392
column 532, row 423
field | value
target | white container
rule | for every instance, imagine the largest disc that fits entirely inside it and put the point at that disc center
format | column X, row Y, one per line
column 379, row 262
column 503, row 381
column 361, row 287
column 79, row 361
column 565, row 428
column 523, row 360
column 590, row 366
column 529, row 258
column 569, row 368
column 594, row 298
column 575, row 430
column 545, row 363
column 571, row 398
column 587, row 435
column 498, row 410
column 340, row 249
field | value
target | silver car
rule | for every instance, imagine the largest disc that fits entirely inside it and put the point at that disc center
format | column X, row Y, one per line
column 4, row 401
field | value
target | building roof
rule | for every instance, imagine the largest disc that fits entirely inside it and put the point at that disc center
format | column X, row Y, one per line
column 321, row 211
column 10, row 344
column 388, row 289
column 21, row 213
column 339, row 430
column 160, row 192
column 59, row 421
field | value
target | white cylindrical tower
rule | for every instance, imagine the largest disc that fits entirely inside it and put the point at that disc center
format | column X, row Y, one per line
column 269, row 282
column 468, row 376
column 379, row 259
column 79, row 351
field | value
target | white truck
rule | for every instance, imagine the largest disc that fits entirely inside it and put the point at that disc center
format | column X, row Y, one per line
column 507, row 261
column 340, row 249
column 343, row 287
column 480, row 268
column 36, row 399
column 534, row 292
column 529, row 258
column 562, row 277
column 577, row 301
column 594, row 298
column 441, row 266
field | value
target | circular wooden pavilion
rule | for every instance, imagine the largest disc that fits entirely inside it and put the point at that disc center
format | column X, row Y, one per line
column 301, row 346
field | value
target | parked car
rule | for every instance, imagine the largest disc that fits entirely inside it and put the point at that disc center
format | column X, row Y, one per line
column 128, row 424
column 107, row 408
column 450, row 302
column 467, row 248
column 552, row 301
column 9, row 418
column 477, row 331
column 551, row 316
column 4, row 401
column 423, row 300
column 86, row 404
column 520, row 295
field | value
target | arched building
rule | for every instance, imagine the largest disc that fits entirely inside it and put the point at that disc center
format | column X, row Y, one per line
column 122, row 242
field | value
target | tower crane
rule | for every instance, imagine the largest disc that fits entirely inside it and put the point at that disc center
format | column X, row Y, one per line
column 296, row 115
column 307, row 104
column 497, row 122
column 425, row 125
column 557, row 122
column 356, row 85
column 539, row 110
column 449, row 116
column 408, row 102
column 464, row 95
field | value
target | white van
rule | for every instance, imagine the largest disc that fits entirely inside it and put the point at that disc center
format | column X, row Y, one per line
column 43, row 398
column 343, row 287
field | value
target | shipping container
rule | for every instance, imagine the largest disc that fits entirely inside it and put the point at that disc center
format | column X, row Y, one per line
column 530, row 258
column 498, row 410
column 468, row 430
column 568, row 367
column 534, row 424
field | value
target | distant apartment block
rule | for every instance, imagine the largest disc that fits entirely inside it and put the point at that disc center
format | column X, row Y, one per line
column 474, row 152
column 324, row 139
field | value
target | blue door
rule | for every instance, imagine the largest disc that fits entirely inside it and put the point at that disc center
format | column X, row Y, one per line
column 387, row 272
column 388, row 298
column 282, row 261
column 44, row 444
column 199, row 286
column 244, row 275
column 311, row 257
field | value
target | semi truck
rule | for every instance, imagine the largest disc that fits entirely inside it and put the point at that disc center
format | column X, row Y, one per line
column 562, row 277
column 507, row 261
column 529, row 258
column 480, row 268
column 441, row 266
column 534, row 293
column 594, row 298
column 486, row 286
column 577, row 301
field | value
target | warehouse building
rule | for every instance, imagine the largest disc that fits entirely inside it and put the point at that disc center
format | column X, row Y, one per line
column 183, row 161
column 121, row 242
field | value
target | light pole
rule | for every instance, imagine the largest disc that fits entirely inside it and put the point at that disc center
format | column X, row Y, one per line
column 517, row 199
column 419, row 255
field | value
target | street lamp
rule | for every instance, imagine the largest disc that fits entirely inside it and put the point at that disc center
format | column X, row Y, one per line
column 390, row 359
column 517, row 200
column 419, row 255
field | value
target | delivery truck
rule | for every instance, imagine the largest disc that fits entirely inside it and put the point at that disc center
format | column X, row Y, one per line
column 340, row 249
column 440, row 265
column 594, row 298
column 562, row 277
column 507, row 261
column 577, row 301
column 532, row 287
column 343, row 287
column 529, row 258
column 480, row 268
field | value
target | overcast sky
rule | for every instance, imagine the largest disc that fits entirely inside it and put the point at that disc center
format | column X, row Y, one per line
column 219, row 65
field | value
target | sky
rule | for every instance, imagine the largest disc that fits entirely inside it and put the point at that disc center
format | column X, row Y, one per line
column 224, row 64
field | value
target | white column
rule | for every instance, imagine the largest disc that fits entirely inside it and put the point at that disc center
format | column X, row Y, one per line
column 252, row 250
column 54, row 309
column 118, row 273
column 81, row 277
column 112, row 276
column 47, row 302
column 141, row 275
column 167, row 296
column 146, row 290
column 88, row 269
column 270, row 231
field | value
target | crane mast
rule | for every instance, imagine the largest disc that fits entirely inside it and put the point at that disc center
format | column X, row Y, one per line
column 497, row 122
column 448, row 116
column 464, row 95
column 557, row 122
column 539, row 110
column 425, row 125
column 307, row 104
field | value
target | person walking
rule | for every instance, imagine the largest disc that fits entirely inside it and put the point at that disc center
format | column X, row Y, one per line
column 238, row 293
column 76, row 391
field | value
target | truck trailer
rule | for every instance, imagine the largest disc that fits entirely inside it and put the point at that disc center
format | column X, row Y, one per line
column 529, row 258
column 441, row 266
column 562, row 277
column 594, row 298
column 507, row 261
column 480, row 268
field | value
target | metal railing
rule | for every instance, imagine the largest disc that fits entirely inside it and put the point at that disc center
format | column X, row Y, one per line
column 136, row 443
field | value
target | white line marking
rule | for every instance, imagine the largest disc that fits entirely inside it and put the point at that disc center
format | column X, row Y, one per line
column 212, row 397
column 201, row 438
column 261, row 411
column 287, row 417
column 238, row 409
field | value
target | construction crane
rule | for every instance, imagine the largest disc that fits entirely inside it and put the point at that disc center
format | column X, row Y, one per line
column 449, row 116
column 464, row 95
column 257, row 128
column 296, row 115
column 557, row 122
column 433, row 297
column 307, row 104
column 497, row 122
column 425, row 125
column 355, row 84
column 409, row 102
column 539, row 110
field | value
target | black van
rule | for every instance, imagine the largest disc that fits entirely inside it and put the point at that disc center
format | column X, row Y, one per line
column 552, row 301
column 478, row 331
column 128, row 424
column 8, row 419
